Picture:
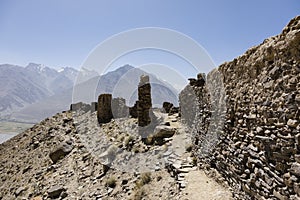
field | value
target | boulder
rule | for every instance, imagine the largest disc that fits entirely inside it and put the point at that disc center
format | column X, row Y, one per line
column 163, row 132
column 55, row 191
column 160, row 134
column 61, row 151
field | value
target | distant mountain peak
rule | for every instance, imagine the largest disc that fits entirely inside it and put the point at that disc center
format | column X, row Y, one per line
column 67, row 70
column 39, row 67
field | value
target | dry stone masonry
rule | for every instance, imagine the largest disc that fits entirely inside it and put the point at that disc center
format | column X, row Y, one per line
column 94, row 106
column 258, row 148
column 119, row 108
column 80, row 106
column 144, row 103
column 104, row 112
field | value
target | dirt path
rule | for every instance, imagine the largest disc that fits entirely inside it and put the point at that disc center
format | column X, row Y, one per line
column 199, row 186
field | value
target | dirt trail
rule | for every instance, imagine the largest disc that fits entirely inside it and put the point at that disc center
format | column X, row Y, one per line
column 199, row 186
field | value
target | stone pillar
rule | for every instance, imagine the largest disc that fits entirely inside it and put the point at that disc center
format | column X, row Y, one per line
column 104, row 112
column 144, row 103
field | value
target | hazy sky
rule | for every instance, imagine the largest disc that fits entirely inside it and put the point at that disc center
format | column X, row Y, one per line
column 63, row 32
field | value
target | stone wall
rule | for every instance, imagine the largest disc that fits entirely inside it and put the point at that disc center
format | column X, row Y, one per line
column 104, row 111
column 255, row 141
column 94, row 106
column 119, row 108
column 80, row 106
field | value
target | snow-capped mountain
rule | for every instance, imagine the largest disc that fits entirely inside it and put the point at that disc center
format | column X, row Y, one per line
column 23, row 86
column 36, row 91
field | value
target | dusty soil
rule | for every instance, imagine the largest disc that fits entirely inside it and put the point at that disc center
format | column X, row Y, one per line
column 200, row 186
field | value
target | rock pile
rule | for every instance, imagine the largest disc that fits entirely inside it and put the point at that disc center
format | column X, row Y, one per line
column 258, row 148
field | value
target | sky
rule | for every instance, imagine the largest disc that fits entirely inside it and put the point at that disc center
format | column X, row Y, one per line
column 60, row 33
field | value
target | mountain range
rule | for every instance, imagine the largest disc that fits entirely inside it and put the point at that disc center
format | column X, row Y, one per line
column 34, row 92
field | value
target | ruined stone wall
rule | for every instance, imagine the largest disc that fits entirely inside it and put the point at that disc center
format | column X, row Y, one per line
column 119, row 108
column 258, row 147
column 80, row 106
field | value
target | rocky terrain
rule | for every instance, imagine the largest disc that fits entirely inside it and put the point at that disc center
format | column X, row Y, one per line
column 89, row 153
column 68, row 156
column 236, row 136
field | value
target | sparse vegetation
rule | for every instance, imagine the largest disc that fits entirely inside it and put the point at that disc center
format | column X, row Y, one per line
column 128, row 141
column 194, row 161
column 111, row 182
column 144, row 179
column 139, row 194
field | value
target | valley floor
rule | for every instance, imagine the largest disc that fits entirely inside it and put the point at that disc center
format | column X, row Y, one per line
column 10, row 129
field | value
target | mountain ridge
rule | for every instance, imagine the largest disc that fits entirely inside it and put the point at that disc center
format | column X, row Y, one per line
column 53, row 90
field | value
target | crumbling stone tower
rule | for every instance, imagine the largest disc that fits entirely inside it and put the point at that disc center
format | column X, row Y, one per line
column 104, row 111
column 144, row 102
